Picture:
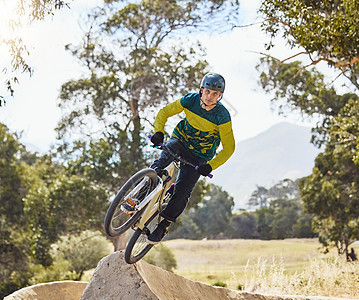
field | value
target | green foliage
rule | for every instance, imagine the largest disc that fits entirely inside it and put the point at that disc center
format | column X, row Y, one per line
column 25, row 13
column 72, row 255
column 284, row 189
column 331, row 193
column 215, row 212
column 162, row 257
column 132, row 65
column 209, row 220
column 243, row 225
column 56, row 204
column 220, row 284
column 82, row 251
column 14, row 235
column 282, row 217
column 326, row 30
column 305, row 91
column 39, row 203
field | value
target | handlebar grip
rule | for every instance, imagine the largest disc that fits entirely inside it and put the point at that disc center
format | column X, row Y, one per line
column 160, row 145
column 209, row 175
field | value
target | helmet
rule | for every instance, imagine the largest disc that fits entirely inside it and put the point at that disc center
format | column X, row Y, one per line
column 213, row 81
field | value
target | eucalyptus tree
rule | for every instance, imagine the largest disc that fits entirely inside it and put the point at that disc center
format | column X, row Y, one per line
column 323, row 32
column 17, row 14
column 39, row 203
column 136, row 56
column 331, row 193
column 14, row 241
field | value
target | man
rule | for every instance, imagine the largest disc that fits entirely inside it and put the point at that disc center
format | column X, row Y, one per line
column 195, row 138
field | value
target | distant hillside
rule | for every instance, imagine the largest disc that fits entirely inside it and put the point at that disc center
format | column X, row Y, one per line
column 282, row 151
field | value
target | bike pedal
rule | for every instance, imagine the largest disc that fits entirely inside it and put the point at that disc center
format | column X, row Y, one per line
column 127, row 209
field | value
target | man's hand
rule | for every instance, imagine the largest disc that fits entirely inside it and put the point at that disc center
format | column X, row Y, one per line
column 157, row 138
column 204, row 169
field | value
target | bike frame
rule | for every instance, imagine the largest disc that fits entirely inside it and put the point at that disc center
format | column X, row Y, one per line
column 155, row 198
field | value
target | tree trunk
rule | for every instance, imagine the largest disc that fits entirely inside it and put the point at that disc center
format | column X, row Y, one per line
column 119, row 242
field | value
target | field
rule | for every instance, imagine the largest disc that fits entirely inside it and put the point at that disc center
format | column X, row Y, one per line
column 292, row 266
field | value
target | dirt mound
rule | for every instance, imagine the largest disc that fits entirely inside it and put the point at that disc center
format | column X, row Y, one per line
column 58, row 290
column 114, row 279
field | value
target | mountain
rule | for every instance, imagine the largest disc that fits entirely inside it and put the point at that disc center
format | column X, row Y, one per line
column 282, row 151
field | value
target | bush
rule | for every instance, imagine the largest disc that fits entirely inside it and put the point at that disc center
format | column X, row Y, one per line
column 220, row 283
column 72, row 256
column 161, row 256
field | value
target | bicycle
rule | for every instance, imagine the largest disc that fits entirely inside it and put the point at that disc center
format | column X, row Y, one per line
column 147, row 192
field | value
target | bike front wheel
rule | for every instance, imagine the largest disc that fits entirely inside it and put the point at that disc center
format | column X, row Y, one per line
column 138, row 246
column 116, row 220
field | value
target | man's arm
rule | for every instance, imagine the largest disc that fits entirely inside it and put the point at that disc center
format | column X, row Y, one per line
column 164, row 113
column 228, row 143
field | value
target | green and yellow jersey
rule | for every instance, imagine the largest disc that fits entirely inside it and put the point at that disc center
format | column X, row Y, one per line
column 201, row 131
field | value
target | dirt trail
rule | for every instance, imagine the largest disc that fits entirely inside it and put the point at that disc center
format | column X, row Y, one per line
column 113, row 279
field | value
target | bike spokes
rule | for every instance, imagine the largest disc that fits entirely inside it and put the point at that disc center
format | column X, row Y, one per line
column 141, row 244
column 122, row 214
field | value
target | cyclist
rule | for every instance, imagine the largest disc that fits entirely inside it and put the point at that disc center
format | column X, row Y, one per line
column 195, row 138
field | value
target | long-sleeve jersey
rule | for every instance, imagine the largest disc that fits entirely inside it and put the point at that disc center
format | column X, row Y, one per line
column 201, row 131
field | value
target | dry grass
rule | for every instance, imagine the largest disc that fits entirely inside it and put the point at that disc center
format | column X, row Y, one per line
column 290, row 267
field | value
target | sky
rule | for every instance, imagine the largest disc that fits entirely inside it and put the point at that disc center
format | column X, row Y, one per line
column 234, row 54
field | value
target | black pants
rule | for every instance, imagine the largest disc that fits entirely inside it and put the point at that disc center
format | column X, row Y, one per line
column 186, row 179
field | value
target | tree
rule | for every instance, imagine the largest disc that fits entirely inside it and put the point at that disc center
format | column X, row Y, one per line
column 133, row 63
column 306, row 92
column 163, row 257
column 258, row 197
column 209, row 219
column 83, row 251
column 57, row 204
column 14, row 236
column 326, row 31
column 19, row 14
column 331, row 194
column 285, row 189
column 40, row 202
column 215, row 211
column 283, row 217
column 242, row 226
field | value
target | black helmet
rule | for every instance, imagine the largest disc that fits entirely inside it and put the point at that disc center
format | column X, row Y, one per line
column 213, row 81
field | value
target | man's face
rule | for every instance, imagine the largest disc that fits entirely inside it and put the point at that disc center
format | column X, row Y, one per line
column 210, row 97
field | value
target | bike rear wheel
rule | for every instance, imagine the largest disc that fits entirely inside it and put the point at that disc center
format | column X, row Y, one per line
column 138, row 246
column 117, row 221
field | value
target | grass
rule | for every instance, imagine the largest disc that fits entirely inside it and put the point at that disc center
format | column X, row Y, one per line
column 291, row 266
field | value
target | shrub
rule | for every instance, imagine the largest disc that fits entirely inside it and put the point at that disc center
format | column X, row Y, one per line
column 161, row 256
column 220, row 283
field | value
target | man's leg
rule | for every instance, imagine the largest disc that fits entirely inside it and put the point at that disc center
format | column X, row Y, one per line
column 186, row 180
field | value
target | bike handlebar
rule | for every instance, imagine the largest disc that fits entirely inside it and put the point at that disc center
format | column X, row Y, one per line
column 162, row 146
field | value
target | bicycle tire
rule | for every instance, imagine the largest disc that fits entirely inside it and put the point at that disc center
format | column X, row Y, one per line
column 137, row 247
column 116, row 221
